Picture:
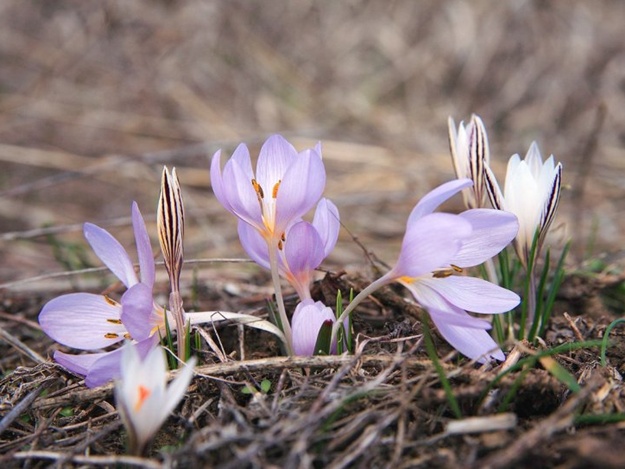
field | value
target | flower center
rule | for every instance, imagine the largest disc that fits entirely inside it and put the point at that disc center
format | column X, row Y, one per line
column 267, row 206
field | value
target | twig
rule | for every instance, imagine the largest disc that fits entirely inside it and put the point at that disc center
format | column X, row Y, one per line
column 92, row 460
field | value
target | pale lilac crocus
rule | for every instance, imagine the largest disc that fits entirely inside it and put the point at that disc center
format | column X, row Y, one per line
column 308, row 318
column 87, row 321
column 304, row 247
column 531, row 192
column 436, row 248
column 285, row 186
column 470, row 154
column 144, row 401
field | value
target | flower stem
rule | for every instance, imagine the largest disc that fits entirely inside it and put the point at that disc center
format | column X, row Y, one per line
column 275, row 277
column 175, row 306
column 356, row 301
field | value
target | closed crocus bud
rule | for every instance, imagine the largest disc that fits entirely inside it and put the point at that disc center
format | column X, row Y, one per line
column 470, row 155
column 308, row 318
column 144, row 401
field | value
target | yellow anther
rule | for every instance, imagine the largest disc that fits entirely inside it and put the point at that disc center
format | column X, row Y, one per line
column 274, row 193
column 258, row 189
column 111, row 335
column 114, row 321
column 456, row 268
column 110, row 301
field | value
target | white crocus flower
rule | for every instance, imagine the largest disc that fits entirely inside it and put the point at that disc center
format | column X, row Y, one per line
column 144, row 401
column 470, row 154
column 532, row 193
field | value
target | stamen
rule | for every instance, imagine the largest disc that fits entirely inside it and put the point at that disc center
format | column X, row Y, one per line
column 258, row 189
column 111, row 335
column 127, row 336
column 448, row 272
column 274, row 193
column 114, row 321
column 110, row 301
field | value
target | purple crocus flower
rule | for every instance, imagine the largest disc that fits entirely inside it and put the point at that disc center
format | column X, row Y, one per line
column 304, row 246
column 285, row 187
column 437, row 246
column 88, row 321
column 308, row 318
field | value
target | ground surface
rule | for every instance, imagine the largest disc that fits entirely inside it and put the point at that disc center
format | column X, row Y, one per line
column 96, row 97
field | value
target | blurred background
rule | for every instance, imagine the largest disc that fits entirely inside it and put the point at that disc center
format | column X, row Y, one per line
column 96, row 96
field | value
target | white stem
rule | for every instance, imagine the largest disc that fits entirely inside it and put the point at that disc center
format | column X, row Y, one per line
column 275, row 277
column 356, row 301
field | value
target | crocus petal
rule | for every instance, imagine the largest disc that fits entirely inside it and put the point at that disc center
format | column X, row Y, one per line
column 79, row 364
column 430, row 243
column 275, row 157
column 473, row 294
column 254, row 244
column 303, row 249
column 476, row 344
column 307, row 321
column 137, row 307
column 111, row 253
column 240, row 193
column 300, row 189
column 327, row 223
column 434, row 198
column 144, row 247
column 492, row 231
column 216, row 181
column 432, row 301
column 492, row 188
column 82, row 320
column 108, row 367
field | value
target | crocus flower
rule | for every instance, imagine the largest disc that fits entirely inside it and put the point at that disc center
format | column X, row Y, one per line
column 304, row 247
column 88, row 321
column 437, row 247
column 532, row 193
column 308, row 318
column 144, row 401
column 286, row 185
column 470, row 154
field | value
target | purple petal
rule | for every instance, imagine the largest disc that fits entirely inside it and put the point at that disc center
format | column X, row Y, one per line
column 79, row 364
column 254, row 244
column 240, row 193
column 432, row 301
column 473, row 294
column 327, row 223
column 137, row 308
column 430, row 243
column 476, row 344
column 275, row 157
column 307, row 321
column 434, row 198
column 82, row 321
column 300, row 189
column 111, row 253
column 108, row 367
column 217, row 180
column 303, row 249
column 144, row 247
column 493, row 230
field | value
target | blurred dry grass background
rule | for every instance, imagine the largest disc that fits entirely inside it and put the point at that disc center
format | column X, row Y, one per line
column 96, row 96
